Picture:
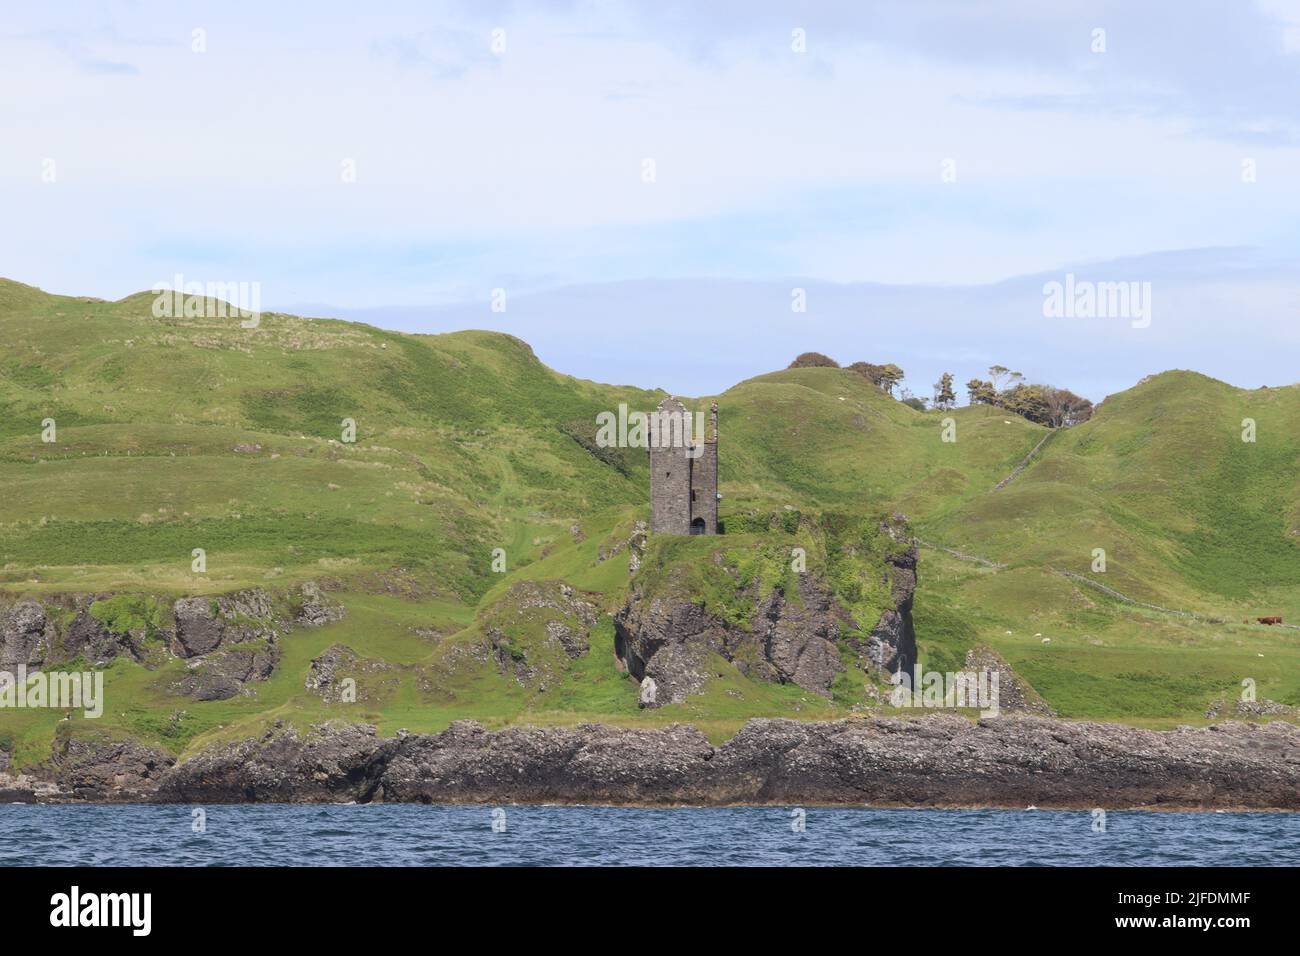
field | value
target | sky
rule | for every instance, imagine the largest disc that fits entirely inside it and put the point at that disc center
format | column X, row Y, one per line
column 648, row 188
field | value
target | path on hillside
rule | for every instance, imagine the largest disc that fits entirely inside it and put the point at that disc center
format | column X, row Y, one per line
column 1015, row 472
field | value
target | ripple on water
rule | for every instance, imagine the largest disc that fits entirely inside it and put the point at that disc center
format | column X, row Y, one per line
column 416, row 835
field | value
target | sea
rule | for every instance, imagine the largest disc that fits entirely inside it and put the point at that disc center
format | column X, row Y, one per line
column 424, row 835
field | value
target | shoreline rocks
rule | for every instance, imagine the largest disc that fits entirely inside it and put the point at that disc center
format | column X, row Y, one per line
column 937, row 760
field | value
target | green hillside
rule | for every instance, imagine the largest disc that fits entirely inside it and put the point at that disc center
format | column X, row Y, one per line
column 175, row 434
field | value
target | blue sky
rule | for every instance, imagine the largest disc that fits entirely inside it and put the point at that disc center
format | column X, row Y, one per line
column 521, row 168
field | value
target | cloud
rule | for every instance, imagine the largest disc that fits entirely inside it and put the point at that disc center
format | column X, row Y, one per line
column 1213, row 310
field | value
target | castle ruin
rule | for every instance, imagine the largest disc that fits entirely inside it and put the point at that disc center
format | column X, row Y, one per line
column 683, row 472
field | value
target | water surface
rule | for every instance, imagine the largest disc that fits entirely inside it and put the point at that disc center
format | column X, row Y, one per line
column 415, row 835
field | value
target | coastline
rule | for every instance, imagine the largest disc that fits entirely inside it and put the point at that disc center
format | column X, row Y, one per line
column 939, row 761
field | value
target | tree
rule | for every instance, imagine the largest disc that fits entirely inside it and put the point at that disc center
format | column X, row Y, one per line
column 981, row 392
column 1002, row 377
column 813, row 360
column 884, row 377
column 1066, row 408
column 911, row 401
column 890, row 375
column 1028, row 401
column 868, row 371
column 944, row 394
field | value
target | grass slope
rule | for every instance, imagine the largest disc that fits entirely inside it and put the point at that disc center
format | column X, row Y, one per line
column 182, row 433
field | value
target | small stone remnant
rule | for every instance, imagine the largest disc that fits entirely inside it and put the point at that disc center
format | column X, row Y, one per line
column 649, row 692
column 316, row 609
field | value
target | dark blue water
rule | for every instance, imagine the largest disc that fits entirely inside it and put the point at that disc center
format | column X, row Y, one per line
column 413, row 835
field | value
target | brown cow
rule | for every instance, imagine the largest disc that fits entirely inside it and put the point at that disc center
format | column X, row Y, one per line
column 1269, row 620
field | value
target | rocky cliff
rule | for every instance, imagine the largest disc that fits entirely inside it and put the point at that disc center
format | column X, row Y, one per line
column 936, row 760
column 788, row 610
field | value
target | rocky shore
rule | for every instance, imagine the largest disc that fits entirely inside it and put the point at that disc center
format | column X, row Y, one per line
column 938, row 760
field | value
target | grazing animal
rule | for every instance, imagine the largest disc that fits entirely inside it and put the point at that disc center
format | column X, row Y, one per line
column 1269, row 620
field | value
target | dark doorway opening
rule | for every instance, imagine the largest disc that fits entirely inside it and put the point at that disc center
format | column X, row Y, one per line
column 697, row 526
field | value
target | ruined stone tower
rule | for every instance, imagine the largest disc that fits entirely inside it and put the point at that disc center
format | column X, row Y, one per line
column 683, row 472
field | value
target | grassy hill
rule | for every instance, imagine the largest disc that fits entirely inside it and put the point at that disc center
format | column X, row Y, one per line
column 182, row 433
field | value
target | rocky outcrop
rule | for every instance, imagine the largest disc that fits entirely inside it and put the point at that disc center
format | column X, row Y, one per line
column 635, row 545
column 531, row 765
column 1015, row 696
column 892, row 644
column 791, row 640
column 536, row 628
column 935, row 760
column 229, row 641
column 106, row 770
column 205, row 623
column 26, row 636
column 335, row 762
column 314, row 609
column 1252, row 708
column 227, row 672
column 334, row 666
column 669, row 635
column 92, row 641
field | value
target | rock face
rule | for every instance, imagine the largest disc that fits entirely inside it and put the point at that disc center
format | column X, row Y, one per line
column 795, row 638
column 892, row 644
column 107, row 770
column 604, row 764
column 225, row 673
column 204, row 623
column 229, row 640
column 936, row 760
column 26, row 636
column 336, row 664
column 88, row 638
column 335, row 762
column 791, row 641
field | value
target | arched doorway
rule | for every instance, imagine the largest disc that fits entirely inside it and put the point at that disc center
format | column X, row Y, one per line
column 697, row 526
